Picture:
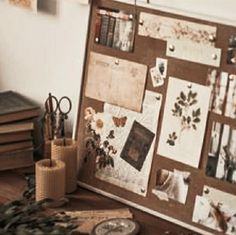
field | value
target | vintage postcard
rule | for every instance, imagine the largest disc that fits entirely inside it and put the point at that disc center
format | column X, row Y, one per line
column 218, row 84
column 216, row 210
column 184, row 121
column 116, row 81
column 165, row 28
column 230, row 109
column 222, row 153
column 172, row 185
column 231, row 52
column 137, row 145
column 27, row 4
column 133, row 159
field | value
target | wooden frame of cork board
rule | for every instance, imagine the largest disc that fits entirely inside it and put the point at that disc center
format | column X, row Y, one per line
column 159, row 89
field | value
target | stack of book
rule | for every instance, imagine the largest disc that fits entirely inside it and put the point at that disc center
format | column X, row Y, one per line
column 115, row 29
column 19, row 130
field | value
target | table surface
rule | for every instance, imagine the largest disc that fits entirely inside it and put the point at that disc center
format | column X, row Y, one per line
column 12, row 184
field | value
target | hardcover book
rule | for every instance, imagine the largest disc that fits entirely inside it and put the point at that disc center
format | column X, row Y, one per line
column 14, row 107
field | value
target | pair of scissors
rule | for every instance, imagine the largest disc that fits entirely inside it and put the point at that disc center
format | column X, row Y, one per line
column 57, row 123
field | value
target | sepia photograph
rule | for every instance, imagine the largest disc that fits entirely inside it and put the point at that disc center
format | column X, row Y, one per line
column 216, row 210
column 222, row 153
column 231, row 52
column 172, row 185
column 218, row 84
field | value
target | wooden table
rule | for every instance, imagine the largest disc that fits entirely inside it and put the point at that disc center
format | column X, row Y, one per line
column 12, row 184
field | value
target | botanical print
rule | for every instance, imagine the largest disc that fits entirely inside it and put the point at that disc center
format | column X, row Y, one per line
column 218, row 84
column 137, row 145
column 222, row 153
column 184, row 121
column 194, row 52
column 172, row 185
column 231, row 52
column 123, row 81
column 230, row 109
column 166, row 28
column 98, row 138
column 28, row 4
column 133, row 159
column 216, row 210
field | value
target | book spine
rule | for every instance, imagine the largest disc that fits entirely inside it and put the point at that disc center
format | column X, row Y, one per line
column 110, row 34
column 98, row 28
column 104, row 29
column 116, row 36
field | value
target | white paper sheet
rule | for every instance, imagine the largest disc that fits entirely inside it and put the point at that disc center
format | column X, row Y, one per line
column 180, row 140
column 123, row 174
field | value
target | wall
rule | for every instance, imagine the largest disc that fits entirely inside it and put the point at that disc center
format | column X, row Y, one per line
column 42, row 53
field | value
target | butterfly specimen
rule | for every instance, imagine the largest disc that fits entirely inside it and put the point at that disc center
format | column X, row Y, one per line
column 119, row 122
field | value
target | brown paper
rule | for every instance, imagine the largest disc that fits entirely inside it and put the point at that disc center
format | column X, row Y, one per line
column 50, row 180
column 68, row 154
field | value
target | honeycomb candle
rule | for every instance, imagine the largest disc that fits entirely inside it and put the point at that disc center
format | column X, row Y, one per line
column 65, row 149
column 50, row 179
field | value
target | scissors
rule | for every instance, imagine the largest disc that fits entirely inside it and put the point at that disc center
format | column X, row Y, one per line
column 52, row 107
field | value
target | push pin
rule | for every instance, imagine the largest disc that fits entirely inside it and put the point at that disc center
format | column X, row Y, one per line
column 211, row 38
column 172, row 48
column 141, row 22
column 143, row 190
column 214, row 56
column 131, row 17
column 232, row 77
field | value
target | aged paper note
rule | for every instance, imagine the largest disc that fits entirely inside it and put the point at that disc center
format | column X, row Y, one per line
column 88, row 219
column 166, row 28
column 194, row 52
column 132, row 173
column 27, row 4
column 116, row 81
column 184, row 121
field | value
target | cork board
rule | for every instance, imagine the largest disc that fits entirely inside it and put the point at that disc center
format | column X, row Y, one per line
column 161, row 89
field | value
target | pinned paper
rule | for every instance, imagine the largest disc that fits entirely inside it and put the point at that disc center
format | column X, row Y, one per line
column 116, row 81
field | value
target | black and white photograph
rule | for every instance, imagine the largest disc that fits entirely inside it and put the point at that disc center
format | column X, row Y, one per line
column 231, row 52
column 216, row 209
column 218, row 84
column 172, row 185
column 222, row 153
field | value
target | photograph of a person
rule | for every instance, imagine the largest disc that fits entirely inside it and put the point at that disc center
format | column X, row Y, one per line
column 231, row 52
column 216, row 210
column 218, row 83
column 222, row 153
column 172, row 185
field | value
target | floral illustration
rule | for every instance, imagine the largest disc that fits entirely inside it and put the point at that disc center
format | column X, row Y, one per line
column 188, row 116
column 98, row 138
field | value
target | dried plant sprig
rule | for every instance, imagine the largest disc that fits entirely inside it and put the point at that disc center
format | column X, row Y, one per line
column 97, row 146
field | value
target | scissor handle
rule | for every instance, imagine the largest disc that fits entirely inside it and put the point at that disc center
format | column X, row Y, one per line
column 59, row 105
column 49, row 104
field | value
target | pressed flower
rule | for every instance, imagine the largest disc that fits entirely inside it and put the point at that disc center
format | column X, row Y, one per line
column 89, row 113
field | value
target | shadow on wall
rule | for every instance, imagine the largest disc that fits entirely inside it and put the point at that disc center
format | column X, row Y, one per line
column 49, row 7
